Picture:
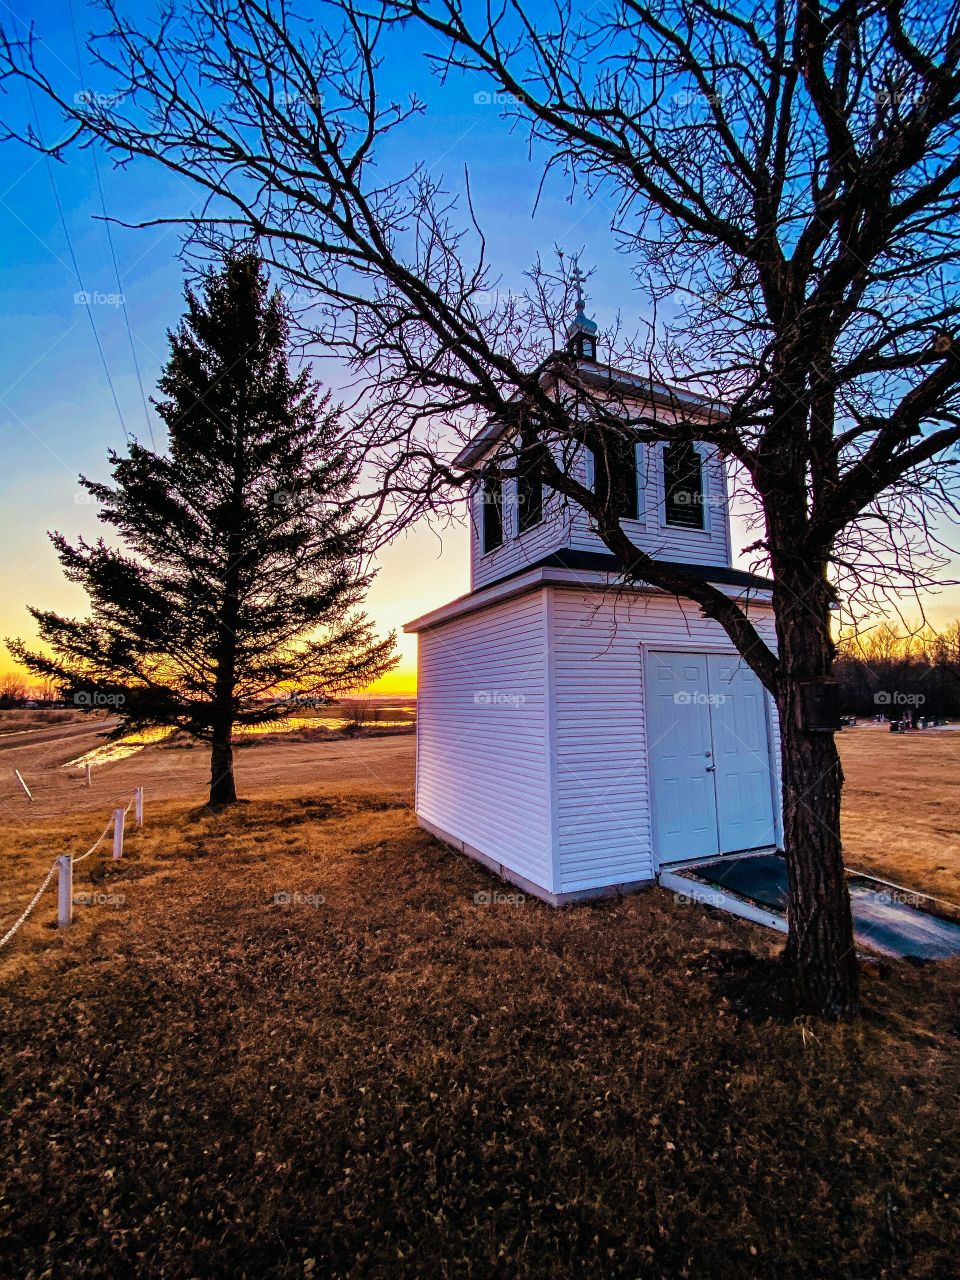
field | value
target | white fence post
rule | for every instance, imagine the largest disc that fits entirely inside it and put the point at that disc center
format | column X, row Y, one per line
column 24, row 785
column 138, row 805
column 89, row 773
column 65, row 891
column 118, row 817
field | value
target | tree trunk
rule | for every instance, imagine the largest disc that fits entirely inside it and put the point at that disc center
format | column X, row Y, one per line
column 223, row 789
column 820, row 952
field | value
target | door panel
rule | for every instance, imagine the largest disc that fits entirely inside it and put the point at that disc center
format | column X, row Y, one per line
column 742, row 754
column 709, row 755
column 679, row 743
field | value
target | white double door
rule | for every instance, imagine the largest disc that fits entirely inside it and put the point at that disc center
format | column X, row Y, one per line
column 709, row 751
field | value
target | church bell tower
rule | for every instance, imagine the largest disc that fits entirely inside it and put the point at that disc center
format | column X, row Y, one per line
column 582, row 332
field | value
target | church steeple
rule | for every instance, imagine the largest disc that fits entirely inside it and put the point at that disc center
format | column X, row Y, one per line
column 582, row 332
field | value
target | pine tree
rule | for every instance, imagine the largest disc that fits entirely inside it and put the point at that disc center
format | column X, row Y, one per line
column 240, row 568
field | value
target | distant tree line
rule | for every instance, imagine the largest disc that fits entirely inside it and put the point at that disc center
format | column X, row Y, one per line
column 891, row 672
column 15, row 692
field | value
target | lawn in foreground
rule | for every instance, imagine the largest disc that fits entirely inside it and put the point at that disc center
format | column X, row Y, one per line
column 380, row 1075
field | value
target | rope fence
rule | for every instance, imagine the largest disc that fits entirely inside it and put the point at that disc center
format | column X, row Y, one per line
column 63, row 867
column 36, row 898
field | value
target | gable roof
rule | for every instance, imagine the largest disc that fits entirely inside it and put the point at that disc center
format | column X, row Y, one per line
column 615, row 381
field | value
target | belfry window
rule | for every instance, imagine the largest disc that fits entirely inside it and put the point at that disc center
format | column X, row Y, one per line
column 491, row 493
column 529, row 493
column 683, row 486
column 615, row 468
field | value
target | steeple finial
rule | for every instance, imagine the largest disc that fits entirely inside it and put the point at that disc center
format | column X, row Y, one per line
column 582, row 333
column 578, row 279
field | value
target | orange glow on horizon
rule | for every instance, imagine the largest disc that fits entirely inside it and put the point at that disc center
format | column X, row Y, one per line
column 421, row 570
column 399, row 683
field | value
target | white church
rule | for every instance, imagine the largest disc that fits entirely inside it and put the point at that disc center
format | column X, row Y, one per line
column 576, row 736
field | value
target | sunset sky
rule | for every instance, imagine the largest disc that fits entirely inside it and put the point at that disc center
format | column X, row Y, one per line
column 57, row 413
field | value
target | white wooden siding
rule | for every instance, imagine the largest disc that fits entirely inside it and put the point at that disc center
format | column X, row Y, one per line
column 482, row 732
column 518, row 551
column 604, row 830
column 710, row 545
column 566, row 525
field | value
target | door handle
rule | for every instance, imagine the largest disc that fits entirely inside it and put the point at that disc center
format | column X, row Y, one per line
column 711, row 768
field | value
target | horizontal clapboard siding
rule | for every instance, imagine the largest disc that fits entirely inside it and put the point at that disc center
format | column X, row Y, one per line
column 482, row 772
column 651, row 533
column 518, row 550
column 604, row 826
column 566, row 525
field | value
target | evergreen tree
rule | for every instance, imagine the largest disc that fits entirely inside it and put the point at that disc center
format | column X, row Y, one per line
column 240, row 566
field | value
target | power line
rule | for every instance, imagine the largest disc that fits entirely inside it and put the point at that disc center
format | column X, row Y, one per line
column 113, row 254
column 126, row 318
column 76, row 265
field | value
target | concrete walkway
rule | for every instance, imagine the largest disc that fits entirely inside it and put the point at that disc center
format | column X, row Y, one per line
column 886, row 917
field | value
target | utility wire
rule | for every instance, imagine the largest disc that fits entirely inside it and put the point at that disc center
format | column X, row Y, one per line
column 113, row 254
column 76, row 265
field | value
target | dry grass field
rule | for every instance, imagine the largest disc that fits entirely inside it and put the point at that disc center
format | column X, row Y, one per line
column 901, row 813
column 21, row 720
column 379, row 1075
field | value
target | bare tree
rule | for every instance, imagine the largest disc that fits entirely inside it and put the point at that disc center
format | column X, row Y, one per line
column 784, row 178
column 13, row 690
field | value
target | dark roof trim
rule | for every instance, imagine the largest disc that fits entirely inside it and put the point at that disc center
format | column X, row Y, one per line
column 607, row 562
column 611, row 379
column 609, row 376
column 532, row 577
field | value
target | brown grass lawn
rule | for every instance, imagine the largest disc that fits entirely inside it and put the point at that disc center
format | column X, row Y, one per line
column 901, row 814
column 382, row 1077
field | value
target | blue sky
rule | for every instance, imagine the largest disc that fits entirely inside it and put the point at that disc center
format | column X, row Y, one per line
column 57, row 412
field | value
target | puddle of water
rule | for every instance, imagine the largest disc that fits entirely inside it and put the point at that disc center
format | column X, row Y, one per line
column 334, row 721
column 111, row 752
